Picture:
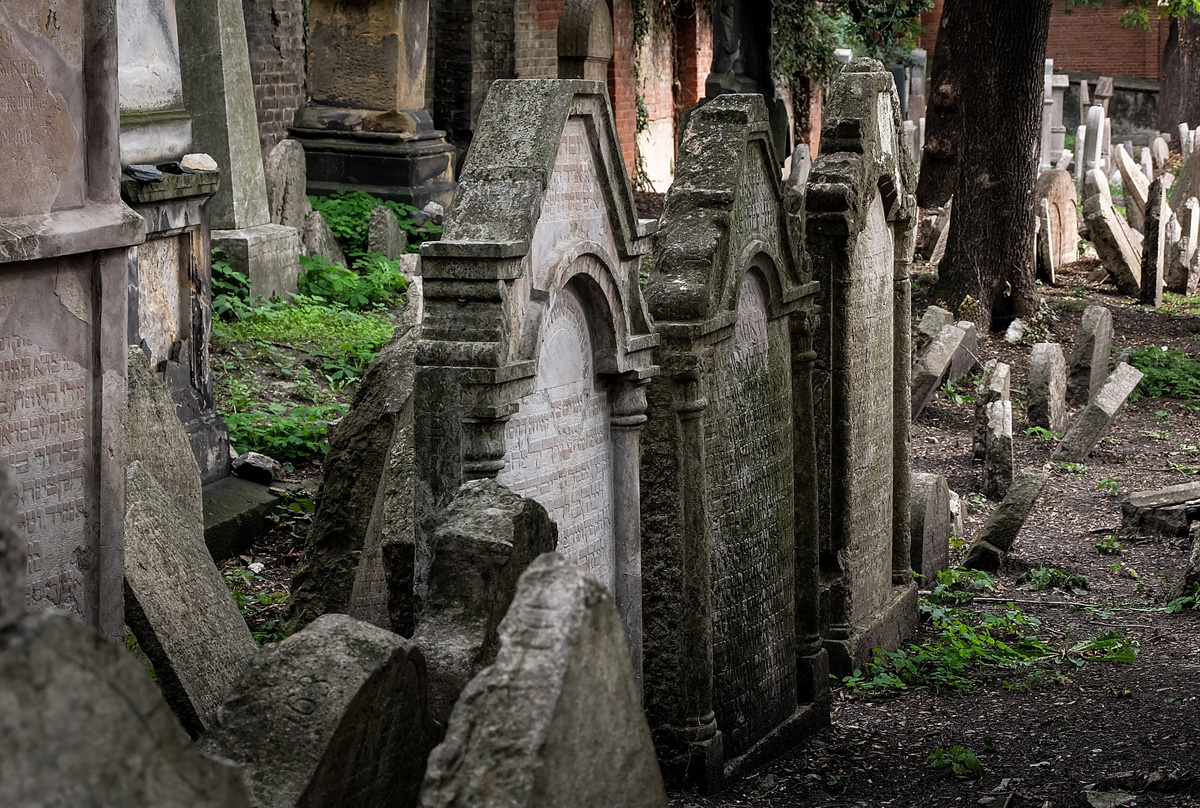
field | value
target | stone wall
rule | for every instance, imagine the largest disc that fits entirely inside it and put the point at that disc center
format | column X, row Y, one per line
column 275, row 35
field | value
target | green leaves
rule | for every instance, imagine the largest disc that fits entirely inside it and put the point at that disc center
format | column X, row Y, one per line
column 1166, row 373
column 376, row 282
column 1052, row 577
column 348, row 214
column 288, row 434
column 961, row 760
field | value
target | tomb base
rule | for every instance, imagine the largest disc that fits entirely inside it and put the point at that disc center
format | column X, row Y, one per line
column 268, row 254
column 807, row 721
column 887, row 629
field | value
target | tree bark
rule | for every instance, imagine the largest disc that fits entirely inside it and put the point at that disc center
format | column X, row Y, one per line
column 943, row 119
column 1179, row 75
column 998, row 51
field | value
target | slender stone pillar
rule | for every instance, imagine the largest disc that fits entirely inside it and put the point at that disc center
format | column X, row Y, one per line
column 629, row 413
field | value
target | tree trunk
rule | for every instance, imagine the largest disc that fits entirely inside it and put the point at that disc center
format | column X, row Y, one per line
column 999, row 51
column 943, row 119
column 1179, row 75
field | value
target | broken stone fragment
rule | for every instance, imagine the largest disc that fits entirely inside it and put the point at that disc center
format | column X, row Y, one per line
column 1165, row 511
column 932, row 367
column 1000, row 531
column 258, row 468
column 1047, row 394
column 1090, row 354
column 998, row 453
column 929, row 502
column 994, row 385
column 1091, row 424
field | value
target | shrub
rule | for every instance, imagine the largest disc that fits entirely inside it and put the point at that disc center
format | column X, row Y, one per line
column 1167, row 372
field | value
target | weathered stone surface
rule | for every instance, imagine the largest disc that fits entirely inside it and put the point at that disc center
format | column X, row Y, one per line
column 319, row 240
column 1090, row 354
column 12, row 552
column 1191, row 573
column 175, row 601
column 1135, row 188
column 1160, row 152
column 1047, row 394
column 332, row 716
column 1154, row 249
column 286, row 181
column 932, row 322
column 235, row 514
column 1058, row 191
column 557, row 714
column 384, row 234
column 83, row 724
column 1182, row 241
column 484, row 539
column 930, row 502
column 365, row 501
column 1000, row 532
column 257, row 468
column 1167, row 511
column 1047, row 259
column 994, row 385
column 998, row 450
column 932, row 367
column 1091, row 424
column 966, row 356
column 268, row 254
column 1110, row 235
column 585, row 40
column 943, row 235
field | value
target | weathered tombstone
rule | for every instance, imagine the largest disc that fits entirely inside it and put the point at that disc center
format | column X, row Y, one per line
column 1154, row 248
column 943, row 235
column 384, row 234
column 334, row 715
column 557, row 716
column 1090, row 354
column 932, row 367
column 319, row 239
column 1090, row 425
column 538, row 379
column 1085, row 101
column 1000, row 531
column 916, row 85
column 1045, row 159
column 1191, row 573
column 365, row 501
column 216, row 84
column 286, row 180
column 1135, row 188
column 728, row 500
column 1080, row 151
column 1058, row 131
column 1165, row 511
column 1056, row 189
column 860, row 230
column 483, row 541
column 64, row 299
column 967, row 356
column 1103, row 93
column 1047, row 268
column 1147, row 164
column 1183, row 254
column 1184, row 139
column 994, row 385
column 998, row 449
column 932, row 322
column 910, row 140
column 1093, row 156
column 1121, row 255
column 930, row 525
column 175, row 601
column 1159, row 153
column 1047, row 395
column 156, row 126
column 585, row 40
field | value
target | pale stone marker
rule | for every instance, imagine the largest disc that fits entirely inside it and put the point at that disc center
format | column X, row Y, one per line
column 1047, row 258
column 932, row 322
column 1183, row 254
column 1085, row 101
column 994, row 385
column 585, row 40
column 1165, row 511
column 1135, row 188
column 1056, row 189
column 918, row 58
column 1000, row 532
column 286, row 180
column 1114, row 242
column 1147, row 163
column 1090, row 355
column 384, row 234
column 1093, row 145
column 557, row 719
column 175, row 601
column 966, row 357
column 1046, row 159
column 943, row 235
column 930, row 526
column 157, row 127
column 998, row 450
column 734, row 664
column 319, row 239
column 932, row 367
column 1058, row 132
column 1159, row 153
column 1047, row 396
column 1090, row 425
column 331, row 716
column 1154, row 249
column 1080, row 151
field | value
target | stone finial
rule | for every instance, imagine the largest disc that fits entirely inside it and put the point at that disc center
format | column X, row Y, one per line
column 585, row 40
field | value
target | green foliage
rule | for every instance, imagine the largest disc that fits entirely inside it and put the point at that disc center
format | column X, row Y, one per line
column 1189, row 600
column 1051, row 577
column 959, row 585
column 1137, row 13
column 1109, row 486
column 230, row 289
column 348, row 214
column 961, row 760
column 1167, row 372
column 288, row 434
column 955, row 395
column 1109, row 545
column 1071, row 468
column 1041, row 433
column 307, row 324
column 247, row 589
column 376, row 282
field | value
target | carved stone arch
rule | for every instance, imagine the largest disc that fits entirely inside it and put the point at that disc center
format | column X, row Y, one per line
column 585, row 40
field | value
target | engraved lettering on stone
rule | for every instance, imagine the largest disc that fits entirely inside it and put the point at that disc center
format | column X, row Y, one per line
column 573, row 192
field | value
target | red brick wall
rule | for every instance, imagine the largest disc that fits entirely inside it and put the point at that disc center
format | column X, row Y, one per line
column 693, row 43
column 1090, row 41
column 657, row 73
column 622, row 81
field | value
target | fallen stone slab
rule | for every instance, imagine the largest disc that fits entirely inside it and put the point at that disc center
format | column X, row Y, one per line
column 1091, row 424
column 998, row 454
column 483, row 540
column 1135, row 188
column 932, row 322
column 1000, row 532
column 332, row 716
column 1047, row 394
column 82, row 724
column 932, row 367
column 1090, row 354
column 994, row 385
column 557, row 719
column 235, row 515
column 966, row 357
column 929, row 502
column 176, row 603
column 1165, row 511
column 1109, row 233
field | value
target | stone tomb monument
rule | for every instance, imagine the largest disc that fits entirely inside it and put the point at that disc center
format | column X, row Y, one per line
column 734, row 664
column 536, row 342
column 860, row 232
column 64, row 268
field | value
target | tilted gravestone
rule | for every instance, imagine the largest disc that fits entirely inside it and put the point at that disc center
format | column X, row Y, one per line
column 1090, row 354
column 65, row 266
column 557, row 719
column 931, row 525
column 175, row 601
column 1000, row 531
column 1118, row 247
column 994, row 385
column 1047, row 394
column 1154, row 249
column 1091, row 424
column 1134, row 187
column 860, row 231
column 536, row 344
column 1058, row 191
column 998, row 449
column 729, row 537
column 932, row 366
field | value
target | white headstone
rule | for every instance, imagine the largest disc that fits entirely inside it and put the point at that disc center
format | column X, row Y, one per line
column 1094, row 145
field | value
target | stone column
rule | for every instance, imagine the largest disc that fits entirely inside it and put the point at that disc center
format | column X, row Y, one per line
column 629, row 413
column 916, row 86
column 1058, row 131
column 904, row 244
column 365, row 125
column 1046, row 161
column 215, row 66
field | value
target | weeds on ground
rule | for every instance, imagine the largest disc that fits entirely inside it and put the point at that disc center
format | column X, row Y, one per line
column 248, row 589
column 1189, row 600
column 1166, row 372
column 1109, row 486
column 1109, row 545
column 962, row 760
column 1041, row 578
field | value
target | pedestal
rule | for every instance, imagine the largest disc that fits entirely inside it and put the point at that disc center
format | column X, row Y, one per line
column 268, row 253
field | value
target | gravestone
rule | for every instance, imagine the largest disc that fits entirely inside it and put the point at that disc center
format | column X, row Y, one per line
column 916, row 85
column 1135, row 189
column 1085, row 101
column 967, row 356
column 585, row 40
column 334, row 715
column 932, row 322
column 384, row 234
column 155, row 125
column 536, row 345
column 1091, row 424
column 1111, row 236
column 12, row 552
column 1047, row 396
column 176, row 603
column 1090, row 354
column 994, row 385
column 1080, row 151
column 1154, row 249
column 943, row 235
column 65, row 264
column 728, row 460
column 1058, row 131
column 286, row 179
column 860, row 234
column 557, row 719
column 1159, row 153
column 930, row 525
column 1179, row 265
column 1147, row 164
column 932, row 367
column 1000, row 531
column 215, row 66
column 318, row 239
column 1165, row 511
column 1047, row 259
column 1093, row 149
column 1046, row 160
column 998, row 449
column 484, row 540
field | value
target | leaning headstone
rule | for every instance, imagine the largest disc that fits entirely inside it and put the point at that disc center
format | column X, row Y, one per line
column 1187, row 184
column 384, row 234
column 365, row 501
column 932, row 367
column 1110, row 234
column 176, row 603
column 1165, row 511
column 1154, row 247
column 334, row 715
column 286, row 178
column 998, row 450
column 1080, row 149
column 1147, row 165
column 1047, row 395
column 1047, row 259
column 1093, row 146
column 932, row 322
column 557, row 715
column 1091, row 424
column 1090, row 354
column 1058, row 192
column 483, row 541
column 1085, row 101
column 319, row 239
column 12, row 552
column 83, row 724
column 930, row 502
column 1159, row 153
column 1000, row 532
column 1182, row 252
column 585, row 41
column 994, row 385
column 943, row 235
column 1135, row 189
column 966, row 357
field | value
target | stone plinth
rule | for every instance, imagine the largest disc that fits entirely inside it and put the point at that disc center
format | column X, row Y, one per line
column 155, row 126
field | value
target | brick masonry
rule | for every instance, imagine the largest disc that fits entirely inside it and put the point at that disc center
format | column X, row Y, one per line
column 275, row 36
